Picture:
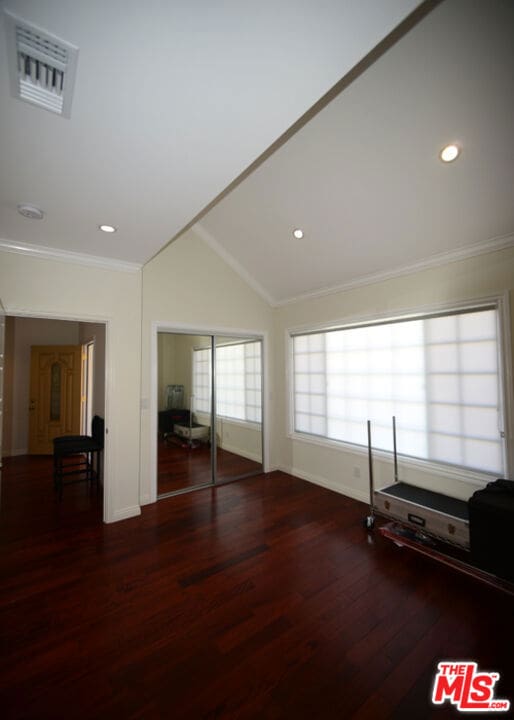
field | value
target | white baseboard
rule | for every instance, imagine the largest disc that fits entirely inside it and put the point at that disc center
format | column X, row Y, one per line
column 19, row 451
column 328, row 484
column 125, row 513
column 145, row 499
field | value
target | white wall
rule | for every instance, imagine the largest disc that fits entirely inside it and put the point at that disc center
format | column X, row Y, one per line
column 189, row 285
column 56, row 289
column 481, row 276
column 28, row 332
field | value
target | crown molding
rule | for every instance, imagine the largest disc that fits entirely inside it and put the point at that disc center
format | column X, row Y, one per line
column 445, row 258
column 230, row 260
column 68, row 256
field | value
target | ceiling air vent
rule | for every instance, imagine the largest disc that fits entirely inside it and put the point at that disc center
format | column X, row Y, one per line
column 41, row 66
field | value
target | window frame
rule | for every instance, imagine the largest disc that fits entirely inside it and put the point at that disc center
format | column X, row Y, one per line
column 500, row 302
column 242, row 422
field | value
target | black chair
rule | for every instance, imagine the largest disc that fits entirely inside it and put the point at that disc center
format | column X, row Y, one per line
column 79, row 456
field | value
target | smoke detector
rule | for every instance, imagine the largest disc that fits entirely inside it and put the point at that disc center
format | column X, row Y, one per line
column 41, row 66
column 31, row 211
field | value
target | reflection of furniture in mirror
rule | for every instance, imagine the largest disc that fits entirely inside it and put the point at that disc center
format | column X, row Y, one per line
column 174, row 396
column 169, row 418
column 193, row 431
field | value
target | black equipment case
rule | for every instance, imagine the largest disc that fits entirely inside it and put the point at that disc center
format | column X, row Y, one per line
column 491, row 526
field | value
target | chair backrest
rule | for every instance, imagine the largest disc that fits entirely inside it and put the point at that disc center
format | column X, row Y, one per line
column 98, row 429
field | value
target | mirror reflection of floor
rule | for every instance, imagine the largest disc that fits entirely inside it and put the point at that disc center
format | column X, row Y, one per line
column 181, row 467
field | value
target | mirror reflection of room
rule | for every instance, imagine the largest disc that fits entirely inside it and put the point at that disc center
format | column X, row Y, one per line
column 184, row 448
column 185, row 410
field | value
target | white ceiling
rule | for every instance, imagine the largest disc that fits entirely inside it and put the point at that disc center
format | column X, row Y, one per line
column 363, row 178
column 173, row 100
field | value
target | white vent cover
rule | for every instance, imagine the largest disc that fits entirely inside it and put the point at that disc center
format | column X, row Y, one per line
column 41, row 66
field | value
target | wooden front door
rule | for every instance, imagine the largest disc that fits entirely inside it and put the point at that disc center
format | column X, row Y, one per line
column 55, row 378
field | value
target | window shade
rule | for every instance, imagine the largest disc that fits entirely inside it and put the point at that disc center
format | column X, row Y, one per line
column 238, row 381
column 438, row 375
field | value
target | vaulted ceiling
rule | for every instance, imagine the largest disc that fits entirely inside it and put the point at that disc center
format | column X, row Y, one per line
column 363, row 178
column 175, row 101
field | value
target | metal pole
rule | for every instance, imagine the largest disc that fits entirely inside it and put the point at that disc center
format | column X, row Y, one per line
column 191, row 405
column 214, row 449
column 394, row 451
column 370, row 465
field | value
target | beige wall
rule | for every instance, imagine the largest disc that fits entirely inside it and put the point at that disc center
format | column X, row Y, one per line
column 8, row 386
column 175, row 363
column 45, row 287
column 471, row 279
column 28, row 332
column 188, row 285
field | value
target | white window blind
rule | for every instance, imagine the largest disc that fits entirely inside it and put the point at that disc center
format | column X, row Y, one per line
column 202, row 380
column 238, row 381
column 438, row 375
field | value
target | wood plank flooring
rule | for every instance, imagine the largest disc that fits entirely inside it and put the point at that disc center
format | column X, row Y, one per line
column 181, row 467
column 259, row 599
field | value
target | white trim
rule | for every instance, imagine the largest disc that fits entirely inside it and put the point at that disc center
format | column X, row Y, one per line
column 125, row 513
column 69, row 256
column 230, row 260
column 445, row 258
column 18, row 451
column 108, row 481
column 323, row 482
column 157, row 326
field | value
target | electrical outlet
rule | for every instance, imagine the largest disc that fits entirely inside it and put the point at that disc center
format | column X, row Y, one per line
column 356, row 471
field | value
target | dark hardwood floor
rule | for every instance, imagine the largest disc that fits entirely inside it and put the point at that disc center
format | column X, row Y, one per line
column 180, row 467
column 259, row 599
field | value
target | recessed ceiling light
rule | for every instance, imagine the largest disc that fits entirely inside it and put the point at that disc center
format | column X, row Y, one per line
column 298, row 233
column 449, row 153
column 30, row 211
column 107, row 228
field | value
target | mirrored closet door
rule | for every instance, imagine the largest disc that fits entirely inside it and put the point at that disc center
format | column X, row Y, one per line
column 184, row 459
column 209, row 410
column 238, row 390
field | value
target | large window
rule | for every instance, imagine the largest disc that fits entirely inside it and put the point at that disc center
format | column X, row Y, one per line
column 238, row 381
column 439, row 375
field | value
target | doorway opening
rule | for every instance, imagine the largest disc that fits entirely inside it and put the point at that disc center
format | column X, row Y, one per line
column 209, row 410
column 43, row 399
